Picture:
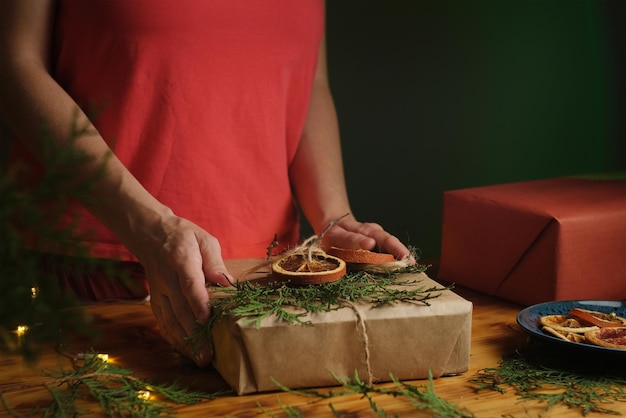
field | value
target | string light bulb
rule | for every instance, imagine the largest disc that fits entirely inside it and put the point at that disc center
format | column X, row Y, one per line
column 21, row 330
column 144, row 395
column 34, row 292
column 104, row 357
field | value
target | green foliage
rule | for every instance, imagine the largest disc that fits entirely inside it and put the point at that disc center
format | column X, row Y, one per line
column 422, row 397
column 561, row 378
column 289, row 411
column 31, row 206
column 117, row 391
column 255, row 301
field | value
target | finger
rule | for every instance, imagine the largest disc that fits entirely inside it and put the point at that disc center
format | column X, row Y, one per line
column 385, row 242
column 191, row 299
column 169, row 327
column 369, row 236
column 339, row 237
column 192, row 287
column 176, row 336
column 196, row 299
column 213, row 266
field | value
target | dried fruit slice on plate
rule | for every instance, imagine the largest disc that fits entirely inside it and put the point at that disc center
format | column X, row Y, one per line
column 303, row 269
column 592, row 327
column 565, row 323
column 611, row 337
column 599, row 319
column 565, row 335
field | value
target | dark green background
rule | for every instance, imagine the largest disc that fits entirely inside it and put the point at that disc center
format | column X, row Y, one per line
column 447, row 94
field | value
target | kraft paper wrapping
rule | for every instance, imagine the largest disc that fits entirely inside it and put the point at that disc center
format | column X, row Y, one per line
column 404, row 339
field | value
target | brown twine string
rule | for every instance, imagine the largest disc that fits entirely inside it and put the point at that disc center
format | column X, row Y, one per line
column 362, row 331
column 383, row 268
column 311, row 247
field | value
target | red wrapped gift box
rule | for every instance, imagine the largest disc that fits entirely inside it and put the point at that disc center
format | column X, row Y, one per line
column 537, row 241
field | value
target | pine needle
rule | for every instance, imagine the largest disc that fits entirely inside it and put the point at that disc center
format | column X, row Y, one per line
column 422, row 397
column 577, row 382
column 255, row 302
column 116, row 390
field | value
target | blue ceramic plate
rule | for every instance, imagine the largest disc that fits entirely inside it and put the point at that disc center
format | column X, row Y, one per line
column 528, row 319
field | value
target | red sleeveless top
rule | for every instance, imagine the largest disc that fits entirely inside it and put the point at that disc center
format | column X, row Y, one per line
column 203, row 101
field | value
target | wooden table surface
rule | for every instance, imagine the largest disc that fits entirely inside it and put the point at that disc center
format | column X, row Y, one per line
column 130, row 337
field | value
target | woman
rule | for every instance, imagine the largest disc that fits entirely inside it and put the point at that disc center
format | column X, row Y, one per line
column 213, row 119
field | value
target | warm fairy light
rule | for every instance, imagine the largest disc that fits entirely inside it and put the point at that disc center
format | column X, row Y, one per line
column 143, row 395
column 87, row 356
column 20, row 331
column 34, row 291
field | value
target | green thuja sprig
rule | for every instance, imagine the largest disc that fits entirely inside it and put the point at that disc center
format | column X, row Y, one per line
column 288, row 410
column 255, row 301
column 117, row 391
column 556, row 379
column 422, row 397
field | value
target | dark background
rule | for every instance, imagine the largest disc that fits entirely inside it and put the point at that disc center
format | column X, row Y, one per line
column 435, row 95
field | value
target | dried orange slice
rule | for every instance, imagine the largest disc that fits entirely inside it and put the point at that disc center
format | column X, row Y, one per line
column 565, row 323
column 361, row 256
column 567, row 336
column 599, row 319
column 612, row 337
column 301, row 269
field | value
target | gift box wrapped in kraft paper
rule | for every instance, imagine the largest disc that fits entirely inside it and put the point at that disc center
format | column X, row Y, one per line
column 537, row 241
column 407, row 340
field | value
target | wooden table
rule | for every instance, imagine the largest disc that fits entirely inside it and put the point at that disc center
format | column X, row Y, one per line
column 130, row 337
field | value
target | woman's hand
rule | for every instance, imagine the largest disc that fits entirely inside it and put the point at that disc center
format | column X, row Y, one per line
column 179, row 258
column 352, row 234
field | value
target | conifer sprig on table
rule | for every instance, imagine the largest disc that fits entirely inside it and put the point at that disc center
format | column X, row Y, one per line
column 422, row 397
column 117, row 391
column 578, row 382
